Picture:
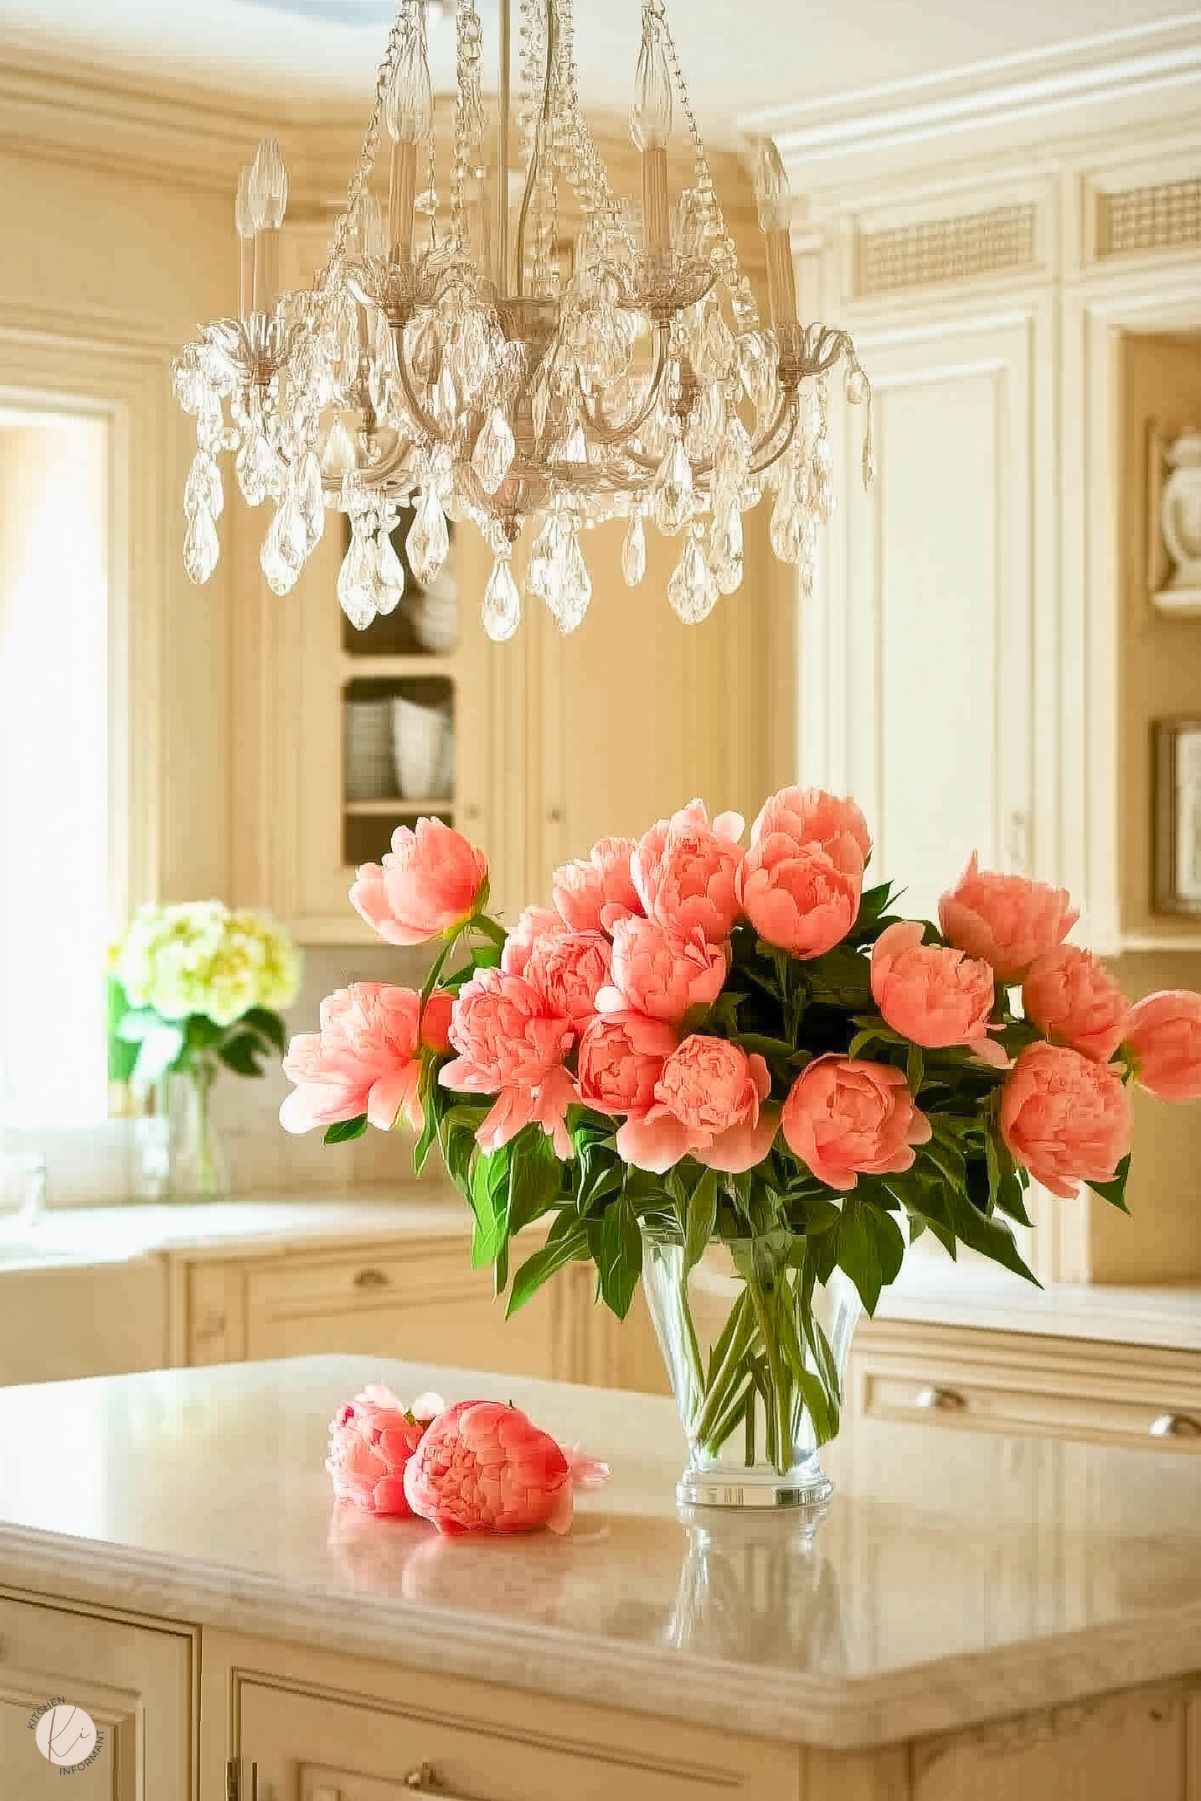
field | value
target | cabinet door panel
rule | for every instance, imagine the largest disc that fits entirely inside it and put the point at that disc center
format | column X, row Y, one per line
column 134, row 1681
column 924, row 686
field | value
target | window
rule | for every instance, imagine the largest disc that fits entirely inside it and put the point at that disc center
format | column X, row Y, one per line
column 54, row 766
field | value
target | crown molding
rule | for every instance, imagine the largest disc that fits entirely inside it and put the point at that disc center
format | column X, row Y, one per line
column 56, row 109
column 1093, row 83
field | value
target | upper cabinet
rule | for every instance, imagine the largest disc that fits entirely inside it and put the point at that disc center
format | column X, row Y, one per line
column 968, row 663
column 922, row 668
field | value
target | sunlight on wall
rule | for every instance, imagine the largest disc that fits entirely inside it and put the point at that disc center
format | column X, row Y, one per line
column 54, row 768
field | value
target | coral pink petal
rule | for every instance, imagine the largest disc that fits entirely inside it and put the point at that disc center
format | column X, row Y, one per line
column 655, row 1143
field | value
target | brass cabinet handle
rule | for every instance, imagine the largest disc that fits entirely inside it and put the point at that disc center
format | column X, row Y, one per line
column 424, row 1780
column 939, row 1400
column 1175, row 1425
column 371, row 1278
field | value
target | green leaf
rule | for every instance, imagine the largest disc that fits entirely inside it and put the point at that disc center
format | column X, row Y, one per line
column 490, row 1204
column 915, row 1068
column 346, row 1129
column 857, row 1254
column 241, row 1053
column 569, row 1245
column 203, row 1033
column 889, row 1242
column 1115, row 1191
column 701, row 1218
column 268, row 1025
column 991, row 1237
column 620, row 1262
column 535, row 1180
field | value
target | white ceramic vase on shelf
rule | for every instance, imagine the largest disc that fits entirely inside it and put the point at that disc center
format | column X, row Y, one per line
column 420, row 734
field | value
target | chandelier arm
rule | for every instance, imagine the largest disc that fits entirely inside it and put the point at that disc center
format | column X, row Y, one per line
column 531, row 173
column 760, row 461
column 601, row 428
column 426, row 422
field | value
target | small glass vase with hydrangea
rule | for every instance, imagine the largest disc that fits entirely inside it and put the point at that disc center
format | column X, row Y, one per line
column 735, row 1073
column 194, row 988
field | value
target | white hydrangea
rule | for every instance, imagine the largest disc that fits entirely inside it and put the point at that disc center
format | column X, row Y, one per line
column 199, row 957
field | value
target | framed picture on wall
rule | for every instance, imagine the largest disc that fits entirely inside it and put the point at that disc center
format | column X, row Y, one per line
column 1178, row 816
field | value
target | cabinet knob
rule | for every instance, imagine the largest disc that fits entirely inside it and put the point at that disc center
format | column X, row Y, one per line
column 554, row 815
column 371, row 1278
column 939, row 1400
column 1175, row 1425
column 424, row 1780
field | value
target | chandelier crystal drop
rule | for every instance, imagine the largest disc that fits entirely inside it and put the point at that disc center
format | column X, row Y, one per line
column 461, row 358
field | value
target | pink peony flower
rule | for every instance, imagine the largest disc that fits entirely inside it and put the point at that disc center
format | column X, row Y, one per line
column 1006, row 919
column 1068, row 995
column 1065, row 1118
column 796, row 896
column 366, row 1058
column 684, row 870
column 845, row 1118
column 811, row 816
column 592, row 894
column 708, row 1103
column 933, row 996
column 621, row 1058
column 569, row 969
column 511, row 1044
column 1165, row 1039
column 661, row 972
column 533, row 924
column 371, row 1440
column 484, row 1467
column 427, row 883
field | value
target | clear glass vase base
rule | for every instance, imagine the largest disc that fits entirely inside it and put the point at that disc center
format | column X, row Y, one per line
column 809, row 1488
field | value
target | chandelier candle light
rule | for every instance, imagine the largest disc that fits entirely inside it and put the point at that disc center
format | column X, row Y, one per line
column 464, row 365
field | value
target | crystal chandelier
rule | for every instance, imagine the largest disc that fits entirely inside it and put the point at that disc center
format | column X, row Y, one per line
column 465, row 362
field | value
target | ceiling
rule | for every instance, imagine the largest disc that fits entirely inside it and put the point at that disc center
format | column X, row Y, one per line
column 739, row 55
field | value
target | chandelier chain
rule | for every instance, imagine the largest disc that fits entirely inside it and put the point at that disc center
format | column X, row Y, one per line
column 741, row 297
column 469, row 122
column 357, row 187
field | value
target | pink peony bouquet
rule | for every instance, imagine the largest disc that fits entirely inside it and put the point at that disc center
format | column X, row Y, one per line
column 707, row 1041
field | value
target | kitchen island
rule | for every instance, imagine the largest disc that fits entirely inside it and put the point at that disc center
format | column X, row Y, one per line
column 979, row 1617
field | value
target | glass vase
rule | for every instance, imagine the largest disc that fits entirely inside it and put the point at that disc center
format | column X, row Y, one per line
column 756, row 1355
column 197, row 1161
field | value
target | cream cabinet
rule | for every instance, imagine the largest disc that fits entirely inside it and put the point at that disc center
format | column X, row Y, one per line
column 938, row 577
column 310, row 1727
column 957, row 1378
column 416, row 1300
column 134, row 1679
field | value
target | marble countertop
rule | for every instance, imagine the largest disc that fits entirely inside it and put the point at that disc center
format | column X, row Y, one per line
column 933, row 1290
column 253, row 1226
column 957, row 1578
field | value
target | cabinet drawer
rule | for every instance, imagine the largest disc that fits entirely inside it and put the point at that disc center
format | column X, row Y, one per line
column 1163, row 1414
column 372, row 1277
column 325, row 1748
